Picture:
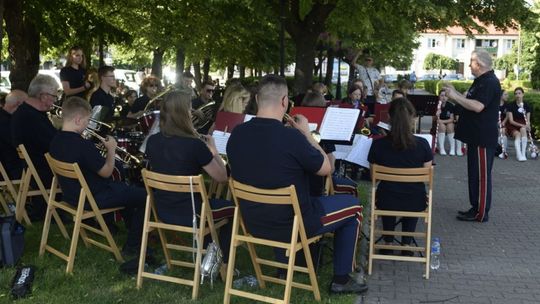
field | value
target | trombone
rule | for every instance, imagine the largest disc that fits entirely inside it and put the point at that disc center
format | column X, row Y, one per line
column 57, row 111
column 120, row 154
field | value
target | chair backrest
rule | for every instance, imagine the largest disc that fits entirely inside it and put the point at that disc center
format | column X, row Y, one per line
column 280, row 196
column 23, row 154
column 404, row 175
column 6, row 181
column 71, row 171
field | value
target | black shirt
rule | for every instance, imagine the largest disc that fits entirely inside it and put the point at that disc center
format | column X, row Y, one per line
column 176, row 155
column 70, row 147
column 410, row 196
column 481, row 129
column 139, row 104
column 265, row 154
column 503, row 109
column 34, row 130
column 74, row 77
column 102, row 98
column 518, row 114
column 8, row 154
column 446, row 111
column 197, row 103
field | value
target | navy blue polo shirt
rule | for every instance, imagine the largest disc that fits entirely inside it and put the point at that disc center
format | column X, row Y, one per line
column 383, row 153
column 34, row 130
column 480, row 129
column 74, row 77
column 514, row 109
column 70, row 147
column 446, row 111
column 264, row 153
column 102, row 98
column 139, row 104
column 8, row 154
column 176, row 155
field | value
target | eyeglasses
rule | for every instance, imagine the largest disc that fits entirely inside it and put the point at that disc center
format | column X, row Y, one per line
column 209, row 91
column 51, row 95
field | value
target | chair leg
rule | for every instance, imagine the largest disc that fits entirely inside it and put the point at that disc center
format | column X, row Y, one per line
column 312, row 275
column 22, row 196
column 3, row 202
column 290, row 266
column 371, row 243
column 232, row 258
column 164, row 242
column 256, row 266
column 198, row 259
column 144, row 244
column 109, row 237
column 45, row 232
column 74, row 241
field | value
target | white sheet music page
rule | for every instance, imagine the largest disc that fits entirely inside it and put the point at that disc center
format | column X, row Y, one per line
column 428, row 137
column 338, row 123
column 221, row 138
column 342, row 151
column 360, row 150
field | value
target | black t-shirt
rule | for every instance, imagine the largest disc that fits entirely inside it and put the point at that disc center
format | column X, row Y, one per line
column 34, row 130
column 139, row 104
column 8, row 154
column 446, row 111
column 481, row 129
column 197, row 103
column 503, row 109
column 102, row 98
column 265, row 154
column 70, row 147
column 410, row 195
column 316, row 182
column 176, row 155
column 517, row 113
column 74, row 77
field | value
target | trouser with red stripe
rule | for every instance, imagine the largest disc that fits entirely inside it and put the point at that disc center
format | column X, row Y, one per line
column 479, row 165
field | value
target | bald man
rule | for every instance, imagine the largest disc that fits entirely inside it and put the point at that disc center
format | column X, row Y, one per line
column 8, row 155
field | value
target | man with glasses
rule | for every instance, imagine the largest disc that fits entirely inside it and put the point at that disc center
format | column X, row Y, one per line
column 205, row 96
column 102, row 96
column 31, row 127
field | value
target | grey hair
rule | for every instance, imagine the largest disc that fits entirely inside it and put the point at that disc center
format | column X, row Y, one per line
column 483, row 58
column 41, row 83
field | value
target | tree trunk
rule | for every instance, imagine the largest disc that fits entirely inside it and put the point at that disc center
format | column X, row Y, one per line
column 157, row 62
column 305, row 57
column 352, row 71
column 101, row 51
column 329, row 67
column 242, row 71
column 206, row 69
column 23, row 47
column 180, row 60
column 1, row 30
column 230, row 71
column 198, row 78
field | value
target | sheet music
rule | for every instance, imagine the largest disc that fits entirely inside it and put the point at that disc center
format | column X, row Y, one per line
column 313, row 126
column 343, row 150
column 360, row 150
column 428, row 137
column 248, row 117
column 383, row 125
column 221, row 138
column 338, row 123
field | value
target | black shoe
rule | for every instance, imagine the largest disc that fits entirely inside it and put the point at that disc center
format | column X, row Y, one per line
column 470, row 211
column 472, row 218
column 350, row 287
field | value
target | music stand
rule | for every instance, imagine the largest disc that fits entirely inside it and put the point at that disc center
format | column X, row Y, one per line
column 425, row 105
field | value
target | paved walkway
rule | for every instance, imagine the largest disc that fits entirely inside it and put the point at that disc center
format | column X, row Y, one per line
column 493, row 262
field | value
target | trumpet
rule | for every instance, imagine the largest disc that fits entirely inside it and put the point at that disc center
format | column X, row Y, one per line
column 120, row 154
column 315, row 134
column 57, row 111
column 158, row 96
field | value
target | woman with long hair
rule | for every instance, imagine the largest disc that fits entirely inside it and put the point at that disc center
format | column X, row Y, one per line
column 149, row 89
column 179, row 150
column 401, row 149
column 519, row 117
column 235, row 99
column 73, row 73
column 503, row 109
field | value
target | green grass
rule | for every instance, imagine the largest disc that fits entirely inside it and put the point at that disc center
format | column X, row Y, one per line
column 96, row 278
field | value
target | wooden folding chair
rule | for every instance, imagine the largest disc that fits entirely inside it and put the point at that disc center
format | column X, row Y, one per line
column 180, row 184
column 28, row 174
column 72, row 171
column 299, row 241
column 412, row 175
column 8, row 191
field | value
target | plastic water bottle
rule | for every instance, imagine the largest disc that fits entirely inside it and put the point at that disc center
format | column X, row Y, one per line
column 249, row 281
column 435, row 253
column 161, row 269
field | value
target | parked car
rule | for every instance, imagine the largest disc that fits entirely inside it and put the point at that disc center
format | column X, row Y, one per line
column 388, row 78
column 454, row 77
column 430, row 77
column 127, row 77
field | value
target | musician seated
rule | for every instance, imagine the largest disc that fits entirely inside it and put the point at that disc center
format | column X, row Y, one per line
column 178, row 150
column 130, row 96
column 266, row 154
column 205, row 97
column 354, row 98
column 400, row 149
column 342, row 185
column 149, row 89
column 69, row 146
column 445, row 124
column 235, row 99
column 102, row 96
column 518, row 124
column 8, row 154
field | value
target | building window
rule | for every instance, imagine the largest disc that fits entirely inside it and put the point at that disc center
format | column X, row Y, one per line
column 460, row 43
column 433, row 43
column 486, row 43
column 509, row 43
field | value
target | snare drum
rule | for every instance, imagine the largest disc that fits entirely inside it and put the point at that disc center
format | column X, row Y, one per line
column 146, row 120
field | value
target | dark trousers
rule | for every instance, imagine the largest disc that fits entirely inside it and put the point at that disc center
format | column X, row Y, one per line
column 133, row 200
column 408, row 224
column 479, row 165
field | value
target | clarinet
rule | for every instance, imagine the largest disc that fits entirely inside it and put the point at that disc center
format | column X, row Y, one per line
column 532, row 148
column 438, row 113
column 503, row 155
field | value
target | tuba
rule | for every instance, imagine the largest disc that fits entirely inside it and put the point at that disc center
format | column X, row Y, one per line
column 201, row 120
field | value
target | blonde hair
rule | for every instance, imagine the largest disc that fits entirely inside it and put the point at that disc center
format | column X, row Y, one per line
column 175, row 114
column 235, row 98
column 69, row 59
column 75, row 105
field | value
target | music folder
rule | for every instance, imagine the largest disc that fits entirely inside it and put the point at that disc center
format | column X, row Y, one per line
column 334, row 124
column 227, row 121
